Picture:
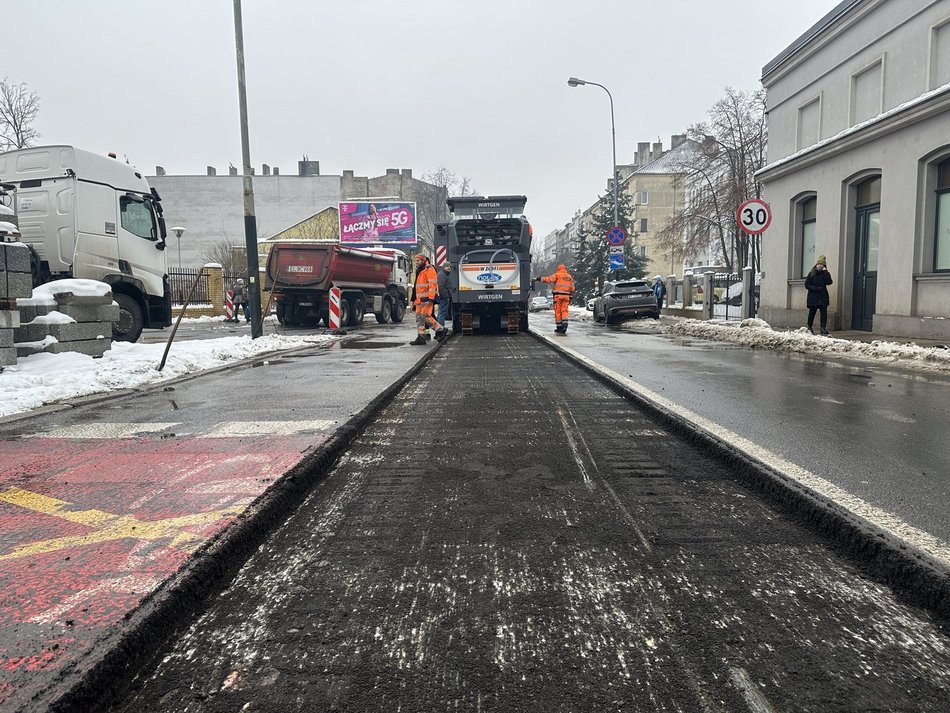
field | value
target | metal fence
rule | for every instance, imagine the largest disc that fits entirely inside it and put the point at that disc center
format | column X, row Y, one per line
column 181, row 280
column 727, row 295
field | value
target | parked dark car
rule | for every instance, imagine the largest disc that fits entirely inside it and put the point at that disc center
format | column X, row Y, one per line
column 631, row 299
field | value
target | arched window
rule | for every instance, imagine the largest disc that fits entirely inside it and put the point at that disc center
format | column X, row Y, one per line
column 809, row 213
column 942, row 237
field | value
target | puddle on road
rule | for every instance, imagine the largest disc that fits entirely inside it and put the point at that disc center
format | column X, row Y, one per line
column 365, row 345
column 267, row 362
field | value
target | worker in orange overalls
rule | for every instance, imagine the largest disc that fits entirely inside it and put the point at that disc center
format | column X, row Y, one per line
column 563, row 289
column 425, row 291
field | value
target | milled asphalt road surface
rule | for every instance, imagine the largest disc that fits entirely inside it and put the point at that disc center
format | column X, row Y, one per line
column 511, row 535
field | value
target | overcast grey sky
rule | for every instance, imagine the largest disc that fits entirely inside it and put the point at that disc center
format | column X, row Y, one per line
column 479, row 87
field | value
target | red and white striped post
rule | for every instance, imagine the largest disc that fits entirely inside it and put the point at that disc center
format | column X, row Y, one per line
column 334, row 308
column 440, row 255
column 229, row 306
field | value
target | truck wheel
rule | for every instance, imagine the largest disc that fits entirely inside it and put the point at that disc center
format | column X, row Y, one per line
column 128, row 327
column 386, row 316
column 344, row 313
column 357, row 312
column 399, row 312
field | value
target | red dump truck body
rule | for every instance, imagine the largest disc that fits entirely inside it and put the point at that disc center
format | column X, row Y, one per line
column 300, row 275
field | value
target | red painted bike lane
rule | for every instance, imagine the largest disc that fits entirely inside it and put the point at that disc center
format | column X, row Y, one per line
column 89, row 528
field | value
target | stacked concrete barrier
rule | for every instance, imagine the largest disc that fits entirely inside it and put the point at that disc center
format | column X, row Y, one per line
column 15, row 282
column 61, row 318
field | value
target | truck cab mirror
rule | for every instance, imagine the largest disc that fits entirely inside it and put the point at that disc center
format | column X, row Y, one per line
column 162, row 231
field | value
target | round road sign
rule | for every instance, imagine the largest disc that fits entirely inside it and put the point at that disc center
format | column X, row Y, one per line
column 617, row 235
column 754, row 216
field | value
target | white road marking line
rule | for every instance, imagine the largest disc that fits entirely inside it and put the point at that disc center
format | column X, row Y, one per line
column 577, row 456
column 103, row 430
column 627, row 516
column 266, row 428
column 590, row 456
column 750, row 692
column 891, row 524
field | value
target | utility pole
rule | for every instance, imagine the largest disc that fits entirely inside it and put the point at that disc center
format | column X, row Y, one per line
column 250, row 221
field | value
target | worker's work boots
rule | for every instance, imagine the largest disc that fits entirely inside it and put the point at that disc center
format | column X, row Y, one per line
column 441, row 333
column 419, row 341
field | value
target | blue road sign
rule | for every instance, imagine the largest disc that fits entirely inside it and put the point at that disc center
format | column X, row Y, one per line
column 617, row 235
column 616, row 262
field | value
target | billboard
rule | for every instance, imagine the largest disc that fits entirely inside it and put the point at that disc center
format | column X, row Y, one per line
column 378, row 223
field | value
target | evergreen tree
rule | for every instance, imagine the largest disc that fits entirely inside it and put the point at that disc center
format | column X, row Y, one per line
column 592, row 257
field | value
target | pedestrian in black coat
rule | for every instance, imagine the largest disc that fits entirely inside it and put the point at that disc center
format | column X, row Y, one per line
column 817, row 283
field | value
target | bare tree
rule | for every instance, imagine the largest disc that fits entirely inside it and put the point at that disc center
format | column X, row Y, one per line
column 439, row 184
column 18, row 109
column 223, row 252
column 720, row 176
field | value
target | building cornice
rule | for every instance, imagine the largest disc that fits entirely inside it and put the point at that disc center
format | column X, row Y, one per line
column 925, row 107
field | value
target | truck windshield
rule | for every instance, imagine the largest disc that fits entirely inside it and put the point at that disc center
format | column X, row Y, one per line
column 138, row 218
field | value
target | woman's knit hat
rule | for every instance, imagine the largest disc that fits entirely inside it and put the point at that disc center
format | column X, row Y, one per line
column 821, row 261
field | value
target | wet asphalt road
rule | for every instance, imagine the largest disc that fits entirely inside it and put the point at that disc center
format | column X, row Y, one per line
column 877, row 431
column 509, row 535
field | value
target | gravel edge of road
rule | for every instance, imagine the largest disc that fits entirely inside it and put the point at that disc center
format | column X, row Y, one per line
column 916, row 577
column 93, row 685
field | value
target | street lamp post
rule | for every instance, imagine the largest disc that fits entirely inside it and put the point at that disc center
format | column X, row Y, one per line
column 178, row 230
column 573, row 82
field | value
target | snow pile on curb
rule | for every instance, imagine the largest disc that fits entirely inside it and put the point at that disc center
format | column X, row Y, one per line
column 758, row 334
column 46, row 378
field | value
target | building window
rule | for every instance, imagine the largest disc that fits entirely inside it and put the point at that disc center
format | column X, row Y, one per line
column 869, row 192
column 643, row 225
column 809, row 212
column 942, row 238
column 644, row 197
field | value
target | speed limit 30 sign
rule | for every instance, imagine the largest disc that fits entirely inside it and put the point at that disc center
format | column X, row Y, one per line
column 754, row 216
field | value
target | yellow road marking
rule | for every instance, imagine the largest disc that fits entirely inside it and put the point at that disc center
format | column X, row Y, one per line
column 107, row 526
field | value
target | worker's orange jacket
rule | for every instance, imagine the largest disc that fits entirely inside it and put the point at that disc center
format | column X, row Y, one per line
column 427, row 284
column 563, row 282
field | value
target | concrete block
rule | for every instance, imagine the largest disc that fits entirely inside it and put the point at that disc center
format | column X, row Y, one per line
column 6, row 338
column 14, row 258
column 23, row 350
column 15, row 284
column 9, row 318
column 8, row 356
column 68, row 298
column 92, row 347
column 79, row 331
column 92, row 313
column 30, row 312
column 30, row 332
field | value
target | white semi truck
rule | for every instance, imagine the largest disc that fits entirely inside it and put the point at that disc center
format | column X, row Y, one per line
column 89, row 216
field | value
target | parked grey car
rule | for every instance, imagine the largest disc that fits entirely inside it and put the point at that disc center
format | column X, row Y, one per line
column 620, row 301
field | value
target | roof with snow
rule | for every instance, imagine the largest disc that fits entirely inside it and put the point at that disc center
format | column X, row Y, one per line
column 672, row 161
